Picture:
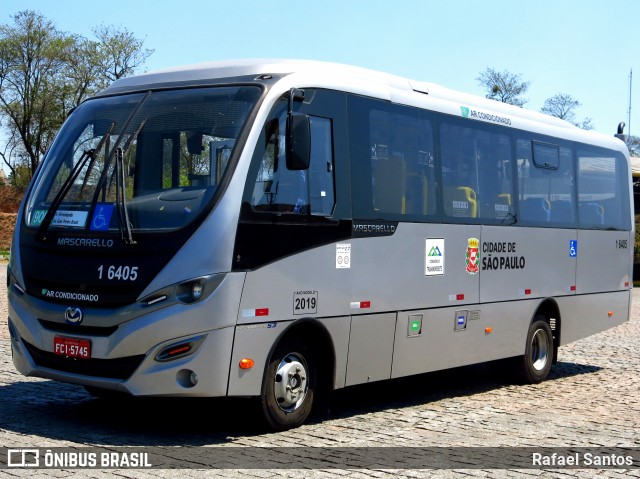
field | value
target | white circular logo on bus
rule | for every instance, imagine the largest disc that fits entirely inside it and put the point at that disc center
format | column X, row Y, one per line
column 73, row 314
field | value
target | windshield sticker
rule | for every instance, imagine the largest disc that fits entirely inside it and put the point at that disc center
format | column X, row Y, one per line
column 343, row 255
column 102, row 217
column 434, row 262
column 37, row 217
column 72, row 219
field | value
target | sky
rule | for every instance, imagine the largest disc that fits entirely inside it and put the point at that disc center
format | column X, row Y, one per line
column 584, row 48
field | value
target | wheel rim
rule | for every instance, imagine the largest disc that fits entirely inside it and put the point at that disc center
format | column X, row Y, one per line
column 539, row 350
column 290, row 382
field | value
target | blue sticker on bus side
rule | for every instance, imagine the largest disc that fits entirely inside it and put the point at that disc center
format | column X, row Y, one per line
column 573, row 248
column 101, row 217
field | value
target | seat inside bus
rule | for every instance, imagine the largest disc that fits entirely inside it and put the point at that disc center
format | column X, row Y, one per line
column 460, row 202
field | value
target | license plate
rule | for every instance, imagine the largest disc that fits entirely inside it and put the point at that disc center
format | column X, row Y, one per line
column 72, row 347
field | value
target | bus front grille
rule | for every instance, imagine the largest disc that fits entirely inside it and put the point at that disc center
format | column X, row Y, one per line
column 119, row 368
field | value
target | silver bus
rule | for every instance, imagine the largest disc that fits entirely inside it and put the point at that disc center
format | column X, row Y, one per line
column 281, row 229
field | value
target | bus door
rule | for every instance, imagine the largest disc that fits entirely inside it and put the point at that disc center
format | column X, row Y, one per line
column 290, row 223
column 542, row 211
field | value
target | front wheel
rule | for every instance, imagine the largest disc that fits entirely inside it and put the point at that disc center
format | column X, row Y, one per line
column 289, row 386
column 535, row 365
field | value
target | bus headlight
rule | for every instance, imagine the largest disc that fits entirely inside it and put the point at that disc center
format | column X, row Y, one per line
column 191, row 291
column 197, row 289
column 187, row 292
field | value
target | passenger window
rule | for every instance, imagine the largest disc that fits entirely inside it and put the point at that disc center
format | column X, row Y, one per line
column 299, row 192
column 546, row 184
column 602, row 189
column 477, row 175
column 402, row 164
column 546, row 156
column 393, row 170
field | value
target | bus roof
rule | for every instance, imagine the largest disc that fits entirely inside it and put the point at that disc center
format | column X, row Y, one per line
column 353, row 79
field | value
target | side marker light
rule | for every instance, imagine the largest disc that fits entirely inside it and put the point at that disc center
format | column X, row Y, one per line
column 488, row 330
column 246, row 363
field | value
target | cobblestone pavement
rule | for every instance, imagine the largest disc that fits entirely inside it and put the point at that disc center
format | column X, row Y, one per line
column 590, row 399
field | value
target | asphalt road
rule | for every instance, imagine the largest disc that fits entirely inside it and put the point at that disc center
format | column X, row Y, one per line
column 589, row 400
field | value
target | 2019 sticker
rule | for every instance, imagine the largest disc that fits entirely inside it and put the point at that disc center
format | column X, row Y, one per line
column 305, row 302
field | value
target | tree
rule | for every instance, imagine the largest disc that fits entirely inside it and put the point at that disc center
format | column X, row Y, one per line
column 563, row 106
column 44, row 73
column 633, row 143
column 119, row 52
column 31, row 62
column 504, row 86
column 20, row 176
column 10, row 158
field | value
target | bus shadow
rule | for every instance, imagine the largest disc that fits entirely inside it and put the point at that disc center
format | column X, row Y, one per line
column 435, row 386
column 66, row 412
column 48, row 409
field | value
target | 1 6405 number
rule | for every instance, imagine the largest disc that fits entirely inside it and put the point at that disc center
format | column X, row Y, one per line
column 118, row 273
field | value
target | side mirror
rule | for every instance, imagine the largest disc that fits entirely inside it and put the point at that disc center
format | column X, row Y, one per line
column 298, row 141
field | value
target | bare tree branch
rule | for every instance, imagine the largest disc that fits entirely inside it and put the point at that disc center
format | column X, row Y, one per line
column 504, row 86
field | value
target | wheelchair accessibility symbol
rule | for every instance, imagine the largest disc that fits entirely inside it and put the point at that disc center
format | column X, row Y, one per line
column 101, row 217
column 573, row 248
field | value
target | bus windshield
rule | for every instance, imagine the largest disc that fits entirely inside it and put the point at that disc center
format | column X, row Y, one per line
column 147, row 161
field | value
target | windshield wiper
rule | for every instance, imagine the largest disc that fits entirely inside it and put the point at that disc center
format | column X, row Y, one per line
column 66, row 186
column 107, row 163
column 121, row 194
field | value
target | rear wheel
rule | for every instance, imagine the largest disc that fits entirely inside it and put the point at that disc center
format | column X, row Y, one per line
column 289, row 385
column 535, row 365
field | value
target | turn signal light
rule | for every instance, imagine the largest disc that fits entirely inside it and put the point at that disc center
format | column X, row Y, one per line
column 488, row 330
column 610, row 314
column 180, row 350
column 246, row 363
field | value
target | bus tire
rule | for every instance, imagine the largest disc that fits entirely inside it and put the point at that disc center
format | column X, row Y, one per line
column 536, row 363
column 289, row 385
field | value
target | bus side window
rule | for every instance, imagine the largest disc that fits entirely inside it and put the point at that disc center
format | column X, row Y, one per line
column 602, row 193
column 477, row 174
column 459, row 177
column 545, row 184
column 402, row 164
column 393, row 168
column 299, row 192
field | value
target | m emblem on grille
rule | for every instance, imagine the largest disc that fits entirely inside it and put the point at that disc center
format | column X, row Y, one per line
column 73, row 314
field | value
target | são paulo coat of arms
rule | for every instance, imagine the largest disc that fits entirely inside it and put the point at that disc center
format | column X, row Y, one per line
column 473, row 256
